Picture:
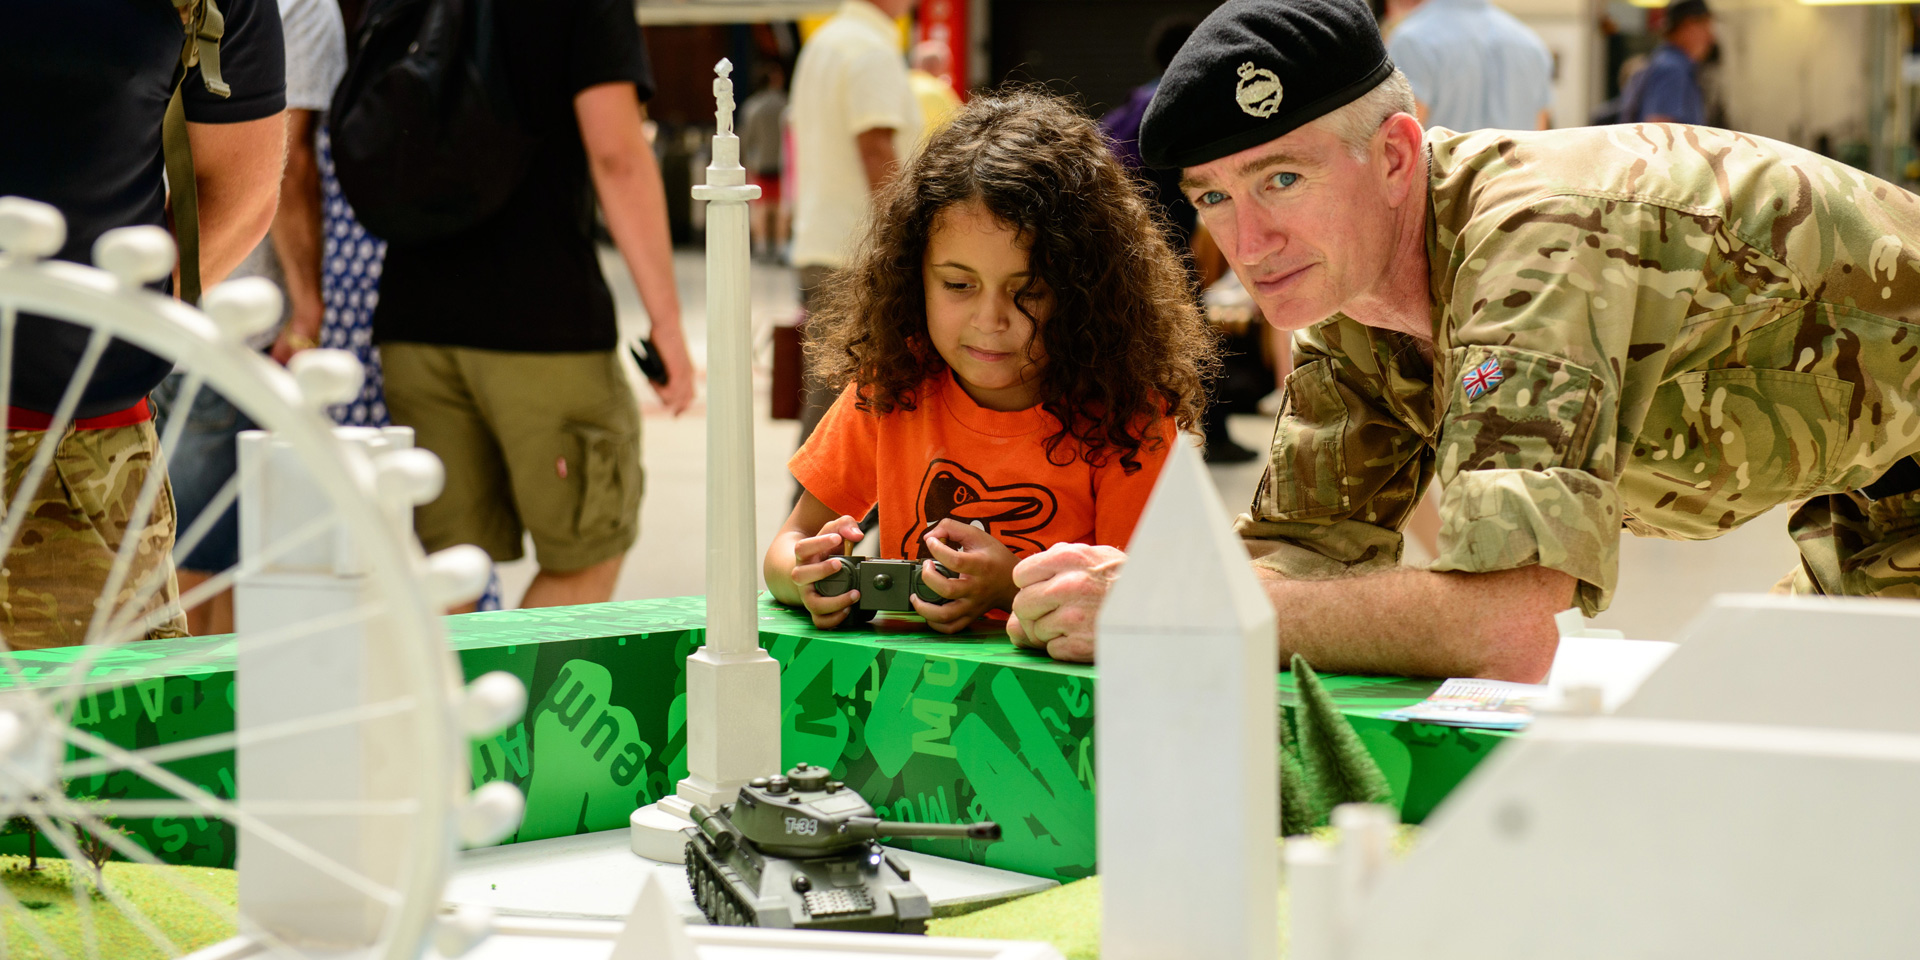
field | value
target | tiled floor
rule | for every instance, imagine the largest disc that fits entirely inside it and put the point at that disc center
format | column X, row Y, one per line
column 1662, row 583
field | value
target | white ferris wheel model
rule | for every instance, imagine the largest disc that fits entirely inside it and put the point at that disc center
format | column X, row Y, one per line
column 351, row 730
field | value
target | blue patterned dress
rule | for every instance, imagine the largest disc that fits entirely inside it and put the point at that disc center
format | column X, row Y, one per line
column 350, row 286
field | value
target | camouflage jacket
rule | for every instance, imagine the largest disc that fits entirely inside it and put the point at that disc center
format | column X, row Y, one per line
column 1661, row 328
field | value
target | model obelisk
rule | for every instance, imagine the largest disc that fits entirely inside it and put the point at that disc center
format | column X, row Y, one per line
column 733, row 687
column 1188, row 657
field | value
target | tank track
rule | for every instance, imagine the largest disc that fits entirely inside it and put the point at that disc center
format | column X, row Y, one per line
column 724, row 908
column 716, row 899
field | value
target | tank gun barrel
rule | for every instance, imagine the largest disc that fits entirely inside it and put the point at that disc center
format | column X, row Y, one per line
column 868, row 828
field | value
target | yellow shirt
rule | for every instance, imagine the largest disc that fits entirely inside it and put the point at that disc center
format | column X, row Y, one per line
column 937, row 100
column 850, row 78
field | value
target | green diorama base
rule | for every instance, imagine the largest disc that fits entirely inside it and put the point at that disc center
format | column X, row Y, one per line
column 61, row 914
column 1068, row 916
column 926, row 727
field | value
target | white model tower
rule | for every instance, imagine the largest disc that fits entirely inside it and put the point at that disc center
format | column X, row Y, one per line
column 733, row 687
column 1188, row 657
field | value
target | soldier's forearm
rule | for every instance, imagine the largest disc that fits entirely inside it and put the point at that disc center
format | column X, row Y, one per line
column 1419, row 623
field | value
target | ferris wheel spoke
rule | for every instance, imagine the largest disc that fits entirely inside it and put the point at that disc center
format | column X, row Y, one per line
column 43, row 454
column 83, row 904
column 217, row 653
column 200, row 746
column 191, row 384
column 142, row 512
column 184, row 545
column 122, row 632
column 70, row 849
column 231, row 812
column 149, row 809
column 9, row 320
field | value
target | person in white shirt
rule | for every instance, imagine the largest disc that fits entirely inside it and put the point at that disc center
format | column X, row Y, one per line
column 854, row 118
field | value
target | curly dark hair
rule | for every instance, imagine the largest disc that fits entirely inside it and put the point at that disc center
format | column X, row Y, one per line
column 1125, row 343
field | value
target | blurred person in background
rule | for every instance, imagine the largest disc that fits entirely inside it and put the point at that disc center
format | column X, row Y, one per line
column 1473, row 66
column 90, row 82
column 930, row 70
column 207, row 453
column 1668, row 89
column 854, row 118
column 351, row 261
column 498, row 341
column 1244, row 377
column 762, row 121
column 1122, row 125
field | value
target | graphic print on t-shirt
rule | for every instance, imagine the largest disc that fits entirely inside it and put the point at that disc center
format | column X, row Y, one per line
column 1006, row 512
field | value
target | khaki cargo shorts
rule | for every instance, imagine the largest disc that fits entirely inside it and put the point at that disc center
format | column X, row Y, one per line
column 540, row 443
column 59, row 561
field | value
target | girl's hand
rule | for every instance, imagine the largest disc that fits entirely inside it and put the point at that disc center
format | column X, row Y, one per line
column 983, row 581
column 813, row 561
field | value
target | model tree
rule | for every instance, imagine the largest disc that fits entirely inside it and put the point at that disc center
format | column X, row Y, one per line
column 25, row 825
column 93, row 842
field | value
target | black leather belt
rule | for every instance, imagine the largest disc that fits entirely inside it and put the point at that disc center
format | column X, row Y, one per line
column 1902, row 477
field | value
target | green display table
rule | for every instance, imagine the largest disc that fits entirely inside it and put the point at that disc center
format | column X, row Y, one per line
column 928, row 728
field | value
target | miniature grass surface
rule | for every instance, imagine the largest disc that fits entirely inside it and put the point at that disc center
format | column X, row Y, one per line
column 1068, row 916
column 51, row 910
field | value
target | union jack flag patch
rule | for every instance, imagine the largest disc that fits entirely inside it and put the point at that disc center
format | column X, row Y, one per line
column 1482, row 378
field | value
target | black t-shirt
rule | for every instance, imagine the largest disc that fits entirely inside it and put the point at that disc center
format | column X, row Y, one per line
column 527, row 279
column 87, row 84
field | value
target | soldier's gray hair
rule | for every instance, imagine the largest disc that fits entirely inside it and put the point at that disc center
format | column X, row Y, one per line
column 1357, row 122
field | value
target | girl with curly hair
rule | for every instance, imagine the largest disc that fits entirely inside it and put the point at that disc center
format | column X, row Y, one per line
column 1017, row 347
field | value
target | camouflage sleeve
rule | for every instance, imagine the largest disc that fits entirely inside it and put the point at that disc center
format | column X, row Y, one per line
column 1345, row 472
column 1547, row 300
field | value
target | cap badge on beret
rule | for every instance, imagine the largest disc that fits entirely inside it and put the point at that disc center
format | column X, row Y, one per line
column 1258, row 92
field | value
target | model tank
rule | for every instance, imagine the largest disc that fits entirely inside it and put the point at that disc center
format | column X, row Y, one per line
column 804, row 851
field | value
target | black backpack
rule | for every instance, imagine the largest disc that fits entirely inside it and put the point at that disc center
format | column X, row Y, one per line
column 426, row 138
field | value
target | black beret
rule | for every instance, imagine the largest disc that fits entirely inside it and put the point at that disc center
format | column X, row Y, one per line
column 1256, row 70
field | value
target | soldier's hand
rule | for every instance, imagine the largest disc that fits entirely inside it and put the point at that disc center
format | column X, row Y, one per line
column 814, row 560
column 982, row 581
column 1060, row 592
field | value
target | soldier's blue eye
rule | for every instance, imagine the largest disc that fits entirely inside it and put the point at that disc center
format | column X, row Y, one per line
column 1286, row 179
column 1211, row 197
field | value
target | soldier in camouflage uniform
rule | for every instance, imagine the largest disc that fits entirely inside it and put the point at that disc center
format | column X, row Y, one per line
column 1665, row 328
column 73, row 529
column 1660, row 328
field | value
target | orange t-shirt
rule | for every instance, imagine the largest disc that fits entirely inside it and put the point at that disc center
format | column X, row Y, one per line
column 951, row 457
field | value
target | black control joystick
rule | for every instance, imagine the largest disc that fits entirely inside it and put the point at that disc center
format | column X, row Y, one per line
column 883, row 585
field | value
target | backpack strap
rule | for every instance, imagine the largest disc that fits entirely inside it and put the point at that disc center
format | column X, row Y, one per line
column 203, row 26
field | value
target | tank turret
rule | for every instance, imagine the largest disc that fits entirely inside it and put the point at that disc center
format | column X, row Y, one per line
column 802, row 850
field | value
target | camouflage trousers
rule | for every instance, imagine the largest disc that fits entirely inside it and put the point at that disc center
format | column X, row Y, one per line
column 1851, row 546
column 58, row 563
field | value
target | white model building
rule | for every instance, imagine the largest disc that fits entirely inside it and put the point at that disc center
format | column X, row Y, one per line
column 1188, row 657
column 733, row 686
